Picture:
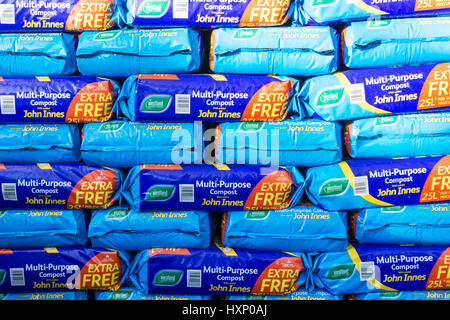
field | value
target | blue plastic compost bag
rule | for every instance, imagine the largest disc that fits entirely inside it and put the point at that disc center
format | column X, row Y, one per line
column 291, row 51
column 409, row 135
column 417, row 224
column 303, row 228
column 396, row 42
column 125, row 229
column 126, row 52
column 42, row 228
column 21, row 143
column 291, row 142
column 124, row 144
column 37, row 54
column 130, row 293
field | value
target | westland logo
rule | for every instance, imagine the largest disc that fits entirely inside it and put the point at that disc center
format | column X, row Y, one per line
column 317, row 3
column 2, row 276
column 376, row 23
column 393, row 209
column 245, row 33
column 111, row 126
column 118, row 214
column 155, row 103
column 153, row 9
column 167, row 278
column 341, row 272
column 333, row 187
column 257, row 215
column 386, row 121
column 159, row 193
column 106, row 35
column 330, row 96
column 121, row 295
column 251, row 126
column 2, row 213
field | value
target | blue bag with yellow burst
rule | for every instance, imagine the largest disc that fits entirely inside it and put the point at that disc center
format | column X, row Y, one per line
column 354, row 94
column 37, row 54
column 124, row 144
column 396, row 42
column 22, row 143
column 216, row 270
column 372, row 183
column 125, row 229
column 212, row 187
column 418, row 224
column 328, row 12
column 42, row 228
column 275, row 50
column 370, row 268
column 126, row 52
column 207, row 97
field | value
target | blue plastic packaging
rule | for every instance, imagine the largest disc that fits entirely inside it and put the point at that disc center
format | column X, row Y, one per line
column 22, row 143
column 214, row 13
column 207, row 97
column 42, row 228
column 69, row 99
column 363, row 93
column 404, row 295
column 212, row 187
column 298, row 295
column 130, row 293
column 291, row 142
column 33, row 296
column 124, row 229
column 291, row 51
column 328, row 12
column 126, row 52
column 419, row 224
column 303, row 228
column 396, row 42
column 37, row 54
column 410, row 135
column 124, row 144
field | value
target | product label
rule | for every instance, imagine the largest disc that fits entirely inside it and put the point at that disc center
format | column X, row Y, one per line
column 400, row 181
column 221, row 270
column 192, row 187
column 57, row 186
column 56, row 99
column 212, row 98
column 60, row 269
column 204, row 13
column 399, row 90
column 69, row 15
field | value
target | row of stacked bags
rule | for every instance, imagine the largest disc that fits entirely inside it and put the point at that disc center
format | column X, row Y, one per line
column 279, row 150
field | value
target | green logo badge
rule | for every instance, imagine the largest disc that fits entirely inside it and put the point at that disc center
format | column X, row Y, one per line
column 118, row 214
column 167, row 278
column 111, row 126
column 2, row 213
column 2, row 276
column 3, row 296
column 378, row 23
column 245, row 33
column 106, row 35
column 121, row 295
column 316, row 3
column 155, row 103
column 329, row 96
column 341, row 272
column 159, row 193
column 333, row 187
column 389, row 294
column 251, row 126
column 153, row 8
column 386, row 120
column 393, row 209
column 257, row 215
